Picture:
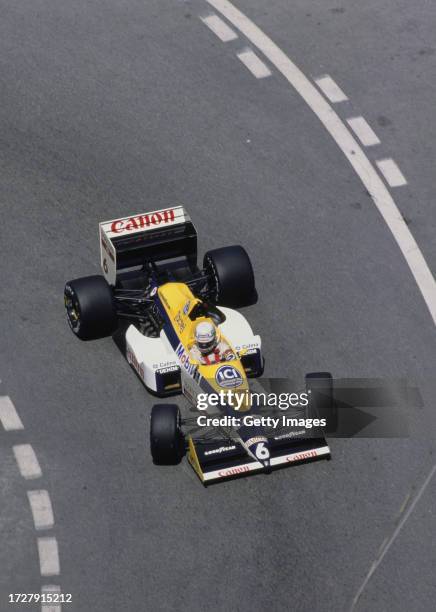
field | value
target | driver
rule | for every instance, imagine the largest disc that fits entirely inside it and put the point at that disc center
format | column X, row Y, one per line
column 208, row 349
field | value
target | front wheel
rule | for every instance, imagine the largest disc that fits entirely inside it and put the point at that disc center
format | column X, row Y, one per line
column 167, row 441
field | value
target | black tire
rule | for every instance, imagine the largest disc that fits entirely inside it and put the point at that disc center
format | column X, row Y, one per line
column 167, row 442
column 232, row 278
column 319, row 386
column 90, row 307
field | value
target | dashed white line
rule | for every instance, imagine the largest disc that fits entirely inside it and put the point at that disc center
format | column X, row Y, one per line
column 346, row 142
column 50, row 607
column 39, row 500
column 27, row 461
column 219, row 27
column 393, row 175
column 8, row 415
column 391, row 540
column 254, row 64
column 330, row 89
column 363, row 131
column 48, row 556
column 41, row 507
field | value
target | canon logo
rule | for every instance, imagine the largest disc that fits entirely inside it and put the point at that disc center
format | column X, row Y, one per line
column 233, row 471
column 142, row 222
column 301, row 456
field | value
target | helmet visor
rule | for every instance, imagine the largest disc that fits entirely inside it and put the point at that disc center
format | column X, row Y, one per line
column 207, row 346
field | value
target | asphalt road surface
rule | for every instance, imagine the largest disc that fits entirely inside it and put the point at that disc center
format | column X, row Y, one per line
column 111, row 108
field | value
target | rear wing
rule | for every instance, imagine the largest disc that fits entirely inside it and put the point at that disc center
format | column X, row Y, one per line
column 154, row 236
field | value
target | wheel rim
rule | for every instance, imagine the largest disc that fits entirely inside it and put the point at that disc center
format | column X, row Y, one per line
column 73, row 311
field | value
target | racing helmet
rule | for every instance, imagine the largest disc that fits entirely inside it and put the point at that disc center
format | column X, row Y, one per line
column 206, row 337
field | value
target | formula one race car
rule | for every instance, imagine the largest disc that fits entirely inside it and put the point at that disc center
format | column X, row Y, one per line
column 152, row 282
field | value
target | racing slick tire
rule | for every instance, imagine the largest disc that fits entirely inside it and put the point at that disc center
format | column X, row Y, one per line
column 167, row 441
column 232, row 278
column 319, row 386
column 90, row 307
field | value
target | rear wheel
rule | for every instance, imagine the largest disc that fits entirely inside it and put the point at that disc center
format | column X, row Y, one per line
column 231, row 276
column 319, row 386
column 90, row 307
column 166, row 437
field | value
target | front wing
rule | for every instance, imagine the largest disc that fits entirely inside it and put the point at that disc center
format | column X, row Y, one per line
column 224, row 459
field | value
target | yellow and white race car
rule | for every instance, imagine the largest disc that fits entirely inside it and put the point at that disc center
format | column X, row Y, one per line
column 151, row 297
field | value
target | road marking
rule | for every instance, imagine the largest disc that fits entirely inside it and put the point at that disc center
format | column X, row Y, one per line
column 27, row 461
column 254, row 64
column 393, row 175
column 346, row 142
column 330, row 89
column 383, row 544
column 403, row 505
column 393, row 537
column 39, row 501
column 48, row 556
column 8, row 415
column 41, row 507
column 363, row 131
column 219, row 28
column 50, row 607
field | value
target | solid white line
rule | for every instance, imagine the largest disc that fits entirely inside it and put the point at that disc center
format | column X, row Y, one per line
column 347, row 143
column 219, row 28
column 393, row 537
column 51, row 607
column 363, row 131
column 42, row 510
column 8, row 415
column 403, row 505
column 330, row 89
column 48, row 556
column 27, row 461
column 254, row 64
column 391, row 172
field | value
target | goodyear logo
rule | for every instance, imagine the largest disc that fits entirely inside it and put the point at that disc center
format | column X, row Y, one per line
column 227, row 376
